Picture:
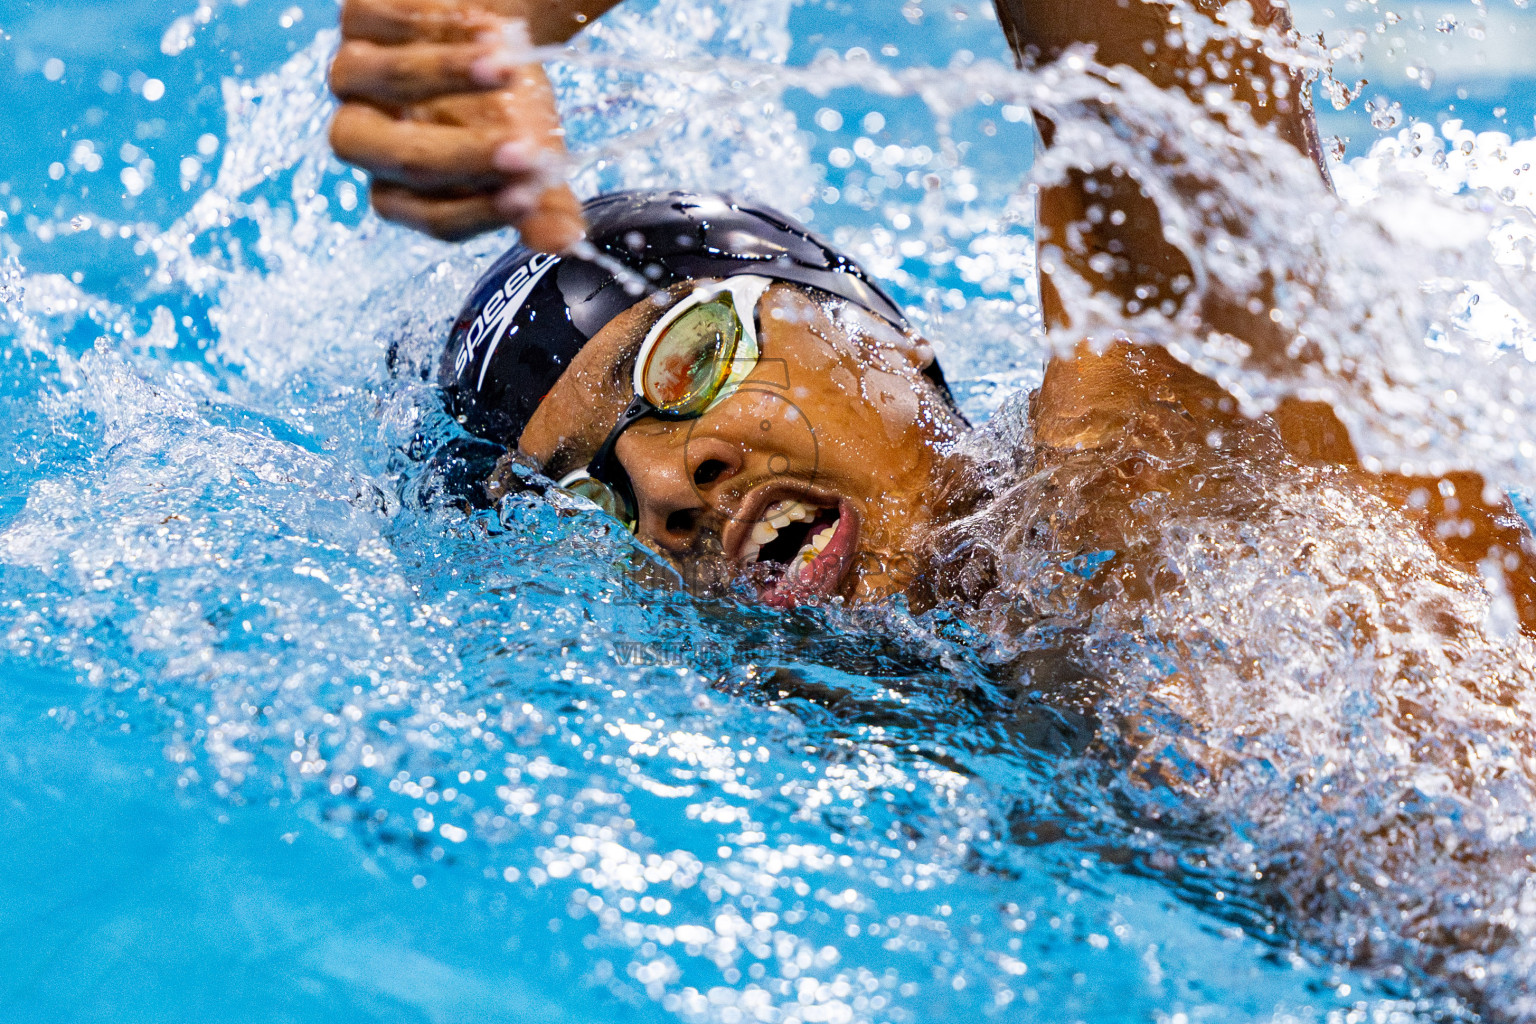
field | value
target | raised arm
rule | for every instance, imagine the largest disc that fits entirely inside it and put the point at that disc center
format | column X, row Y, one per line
column 1122, row 252
column 444, row 107
column 1140, row 396
column 1148, row 36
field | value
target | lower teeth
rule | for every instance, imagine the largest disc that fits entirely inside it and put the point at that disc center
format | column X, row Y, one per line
column 810, row 550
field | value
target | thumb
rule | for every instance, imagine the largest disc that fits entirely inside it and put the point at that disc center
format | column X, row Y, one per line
column 555, row 222
column 550, row 219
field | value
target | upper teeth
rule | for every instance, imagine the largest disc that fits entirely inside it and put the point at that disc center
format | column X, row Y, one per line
column 775, row 517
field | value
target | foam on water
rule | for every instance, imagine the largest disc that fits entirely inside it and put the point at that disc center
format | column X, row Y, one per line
column 217, row 538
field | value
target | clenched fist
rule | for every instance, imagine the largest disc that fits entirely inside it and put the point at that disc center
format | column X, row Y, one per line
column 442, row 106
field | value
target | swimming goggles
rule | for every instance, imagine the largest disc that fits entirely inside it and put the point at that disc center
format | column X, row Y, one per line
column 694, row 358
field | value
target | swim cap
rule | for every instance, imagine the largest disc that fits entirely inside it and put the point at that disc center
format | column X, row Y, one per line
column 532, row 312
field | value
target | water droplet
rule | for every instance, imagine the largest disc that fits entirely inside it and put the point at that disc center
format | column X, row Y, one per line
column 1385, row 114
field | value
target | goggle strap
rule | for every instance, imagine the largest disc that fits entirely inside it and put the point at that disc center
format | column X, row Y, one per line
column 638, row 409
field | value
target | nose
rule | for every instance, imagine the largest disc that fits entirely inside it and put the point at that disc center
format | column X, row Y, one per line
column 676, row 478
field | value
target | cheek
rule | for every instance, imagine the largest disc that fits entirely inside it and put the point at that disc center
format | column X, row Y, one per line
column 874, row 413
column 832, row 391
column 570, row 425
column 880, row 401
column 766, row 421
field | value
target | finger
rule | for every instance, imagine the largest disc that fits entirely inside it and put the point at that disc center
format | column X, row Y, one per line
column 549, row 219
column 410, row 21
column 420, row 155
column 451, row 220
column 394, row 76
column 525, row 108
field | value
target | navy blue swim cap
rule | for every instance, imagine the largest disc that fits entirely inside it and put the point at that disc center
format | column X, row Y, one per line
column 532, row 312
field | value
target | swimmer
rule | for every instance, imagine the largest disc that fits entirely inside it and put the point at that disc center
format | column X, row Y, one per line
column 766, row 414
column 774, row 423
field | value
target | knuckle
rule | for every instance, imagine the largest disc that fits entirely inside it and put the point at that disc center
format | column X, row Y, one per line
column 430, row 218
column 354, row 16
column 340, row 136
column 343, row 77
column 413, row 163
column 452, row 63
column 353, row 137
column 343, row 130
column 392, row 205
column 445, row 231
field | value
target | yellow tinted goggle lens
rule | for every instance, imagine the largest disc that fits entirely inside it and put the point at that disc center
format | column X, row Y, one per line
column 691, row 359
column 603, row 496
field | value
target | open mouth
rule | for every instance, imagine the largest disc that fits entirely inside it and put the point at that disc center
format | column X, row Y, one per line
column 796, row 545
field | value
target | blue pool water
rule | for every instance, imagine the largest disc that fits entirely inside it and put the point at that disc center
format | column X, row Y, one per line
column 285, row 737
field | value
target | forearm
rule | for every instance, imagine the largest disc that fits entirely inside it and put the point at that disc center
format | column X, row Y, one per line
column 1141, row 399
column 1099, row 224
column 1104, row 230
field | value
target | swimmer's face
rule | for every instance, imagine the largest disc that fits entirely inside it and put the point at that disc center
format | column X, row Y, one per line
column 814, row 478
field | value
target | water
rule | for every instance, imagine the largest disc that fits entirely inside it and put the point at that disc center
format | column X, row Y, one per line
column 286, row 737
